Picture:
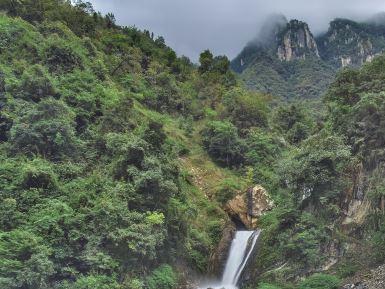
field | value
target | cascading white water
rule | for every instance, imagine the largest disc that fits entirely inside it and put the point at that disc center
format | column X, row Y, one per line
column 240, row 252
column 241, row 249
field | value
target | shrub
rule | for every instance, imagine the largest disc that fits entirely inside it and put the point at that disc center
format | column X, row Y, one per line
column 267, row 286
column 62, row 57
column 246, row 109
column 133, row 284
column 35, row 84
column 92, row 282
column 227, row 190
column 38, row 175
column 24, row 261
column 163, row 277
column 46, row 128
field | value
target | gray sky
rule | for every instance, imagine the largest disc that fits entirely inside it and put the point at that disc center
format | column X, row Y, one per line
column 225, row 26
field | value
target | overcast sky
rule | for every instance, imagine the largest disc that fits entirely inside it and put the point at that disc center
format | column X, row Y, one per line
column 225, row 26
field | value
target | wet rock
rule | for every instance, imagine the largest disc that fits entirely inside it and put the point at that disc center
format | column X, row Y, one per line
column 250, row 206
column 354, row 286
column 219, row 257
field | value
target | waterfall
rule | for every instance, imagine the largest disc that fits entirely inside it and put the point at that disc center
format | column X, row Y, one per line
column 241, row 250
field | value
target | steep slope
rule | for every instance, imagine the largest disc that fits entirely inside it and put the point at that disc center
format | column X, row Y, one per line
column 297, row 64
column 335, row 224
column 97, row 179
column 290, row 66
column 348, row 43
column 296, row 42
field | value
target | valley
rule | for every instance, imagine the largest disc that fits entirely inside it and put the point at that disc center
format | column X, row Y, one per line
column 126, row 166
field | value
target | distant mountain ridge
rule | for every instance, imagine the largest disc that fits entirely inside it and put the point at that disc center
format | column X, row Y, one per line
column 289, row 61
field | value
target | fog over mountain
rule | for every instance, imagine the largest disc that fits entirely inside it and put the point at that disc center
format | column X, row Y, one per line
column 224, row 26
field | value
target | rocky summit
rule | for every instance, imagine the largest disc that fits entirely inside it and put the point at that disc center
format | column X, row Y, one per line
column 288, row 60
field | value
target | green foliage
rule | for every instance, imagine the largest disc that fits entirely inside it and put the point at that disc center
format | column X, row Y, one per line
column 90, row 187
column 163, row 278
column 46, row 128
column 62, row 57
column 294, row 122
column 263, row 148
column 88, row 282
column 101, row 165
column 320, row 281
column 134, row 284
column 347, row 269
column 355, row 102
column 264, row 72
column 222, row 142
column 315, row 170
column 216, row 69
column 24, row 260
column 245, row 109
column 35, row 84
column 227, row 190
column 304, row 243
column 206, row 60
column 267, row 286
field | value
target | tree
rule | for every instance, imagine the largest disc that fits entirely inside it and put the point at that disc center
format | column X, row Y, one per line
column 222, row 142
column 221, row 64
column 110, row 20
column 92, row 281
column 246, row 109
column 162, row 278
column 294, row 122
column 316, row 169
column 206, row 60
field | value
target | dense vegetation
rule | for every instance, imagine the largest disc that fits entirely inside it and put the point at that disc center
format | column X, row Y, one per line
column 117, row 156
column 92, row 194
column 307, row 78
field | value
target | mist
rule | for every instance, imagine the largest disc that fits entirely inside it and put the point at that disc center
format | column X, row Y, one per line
column 225, row 26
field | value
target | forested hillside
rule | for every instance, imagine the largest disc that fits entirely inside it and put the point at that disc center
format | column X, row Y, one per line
column 118, row 158
column 92, row 192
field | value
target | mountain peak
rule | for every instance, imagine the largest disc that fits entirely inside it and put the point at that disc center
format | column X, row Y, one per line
column 296, row 41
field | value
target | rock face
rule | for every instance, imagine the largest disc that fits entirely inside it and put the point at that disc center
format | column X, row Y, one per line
column 296, row 41
column 287, row 60
column 249, row 206
column 376, row 280
column 347, row 44
column 219, row 257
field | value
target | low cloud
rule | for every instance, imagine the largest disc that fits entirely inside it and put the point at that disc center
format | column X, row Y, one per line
column 225, row 26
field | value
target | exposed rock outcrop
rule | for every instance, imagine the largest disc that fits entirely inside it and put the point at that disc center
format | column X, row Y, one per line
column 219, row 257
column 249, row 206
column 347, row 43
column 356, row 204
column 376, row 280
column 296, row 41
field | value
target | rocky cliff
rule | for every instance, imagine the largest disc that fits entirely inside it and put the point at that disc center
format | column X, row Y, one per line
column 348, row 43
column 296, row 41
column 289, row 61
column 248, row 207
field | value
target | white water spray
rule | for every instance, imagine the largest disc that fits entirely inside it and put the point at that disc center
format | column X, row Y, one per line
column 240, row 252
